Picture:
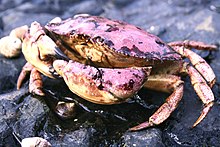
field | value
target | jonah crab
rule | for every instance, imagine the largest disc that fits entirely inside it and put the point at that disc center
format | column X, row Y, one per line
column 108, row 61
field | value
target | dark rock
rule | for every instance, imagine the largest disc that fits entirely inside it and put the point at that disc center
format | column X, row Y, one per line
column 77, row 138
column 91, row 7
column 10, row 69
column 185, row 3
column 9, row 104
column 6, row 4
column 40, row 8
column 17, row 19
column 150, row 137
column 122, row 3
column 21, row 114
column 180, row 132
column 1, row 27
column 32, row 117
column 1, row 24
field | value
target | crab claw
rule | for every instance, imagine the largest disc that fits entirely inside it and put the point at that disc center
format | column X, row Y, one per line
column 60, row 55
column 40, row 50
column 46, row 46
column 102, row 85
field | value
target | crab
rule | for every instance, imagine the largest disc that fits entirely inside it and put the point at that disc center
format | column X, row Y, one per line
column 108, row 61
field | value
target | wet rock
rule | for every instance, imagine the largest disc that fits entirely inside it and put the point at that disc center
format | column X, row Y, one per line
column 6, row 4
column 22, row 114
column 110, row 11
column 81, row 137
column 1, row 24
column 10, row 69
column 185, row 3
column 17, row 19
column 204, row 29
column 29, row 7
column 87, row 7
column 179, row 132
column 9, row 104
column 32, row 117
column 122, row 3
column 150, row 137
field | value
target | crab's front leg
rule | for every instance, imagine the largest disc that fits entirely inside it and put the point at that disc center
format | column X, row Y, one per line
column 46, row 46
column 40, row 50
column 165, row 83
column 35, row 81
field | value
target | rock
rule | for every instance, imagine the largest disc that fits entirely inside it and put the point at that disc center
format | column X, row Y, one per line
column 77, row 138
column 18, row 19
column 150, row 137
column 21, row 114
column 1, row 27
column 179, row 131
column 9, row 103
column 185, row 3
column 1, row 24
column 122, row 3
column 6, row 4
column 10, row 69
column 32, row 117
column 85, row 7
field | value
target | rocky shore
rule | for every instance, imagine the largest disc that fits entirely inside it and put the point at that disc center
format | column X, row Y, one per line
column 101, row 126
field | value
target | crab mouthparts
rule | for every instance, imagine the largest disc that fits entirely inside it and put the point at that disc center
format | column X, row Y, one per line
column 60, row 55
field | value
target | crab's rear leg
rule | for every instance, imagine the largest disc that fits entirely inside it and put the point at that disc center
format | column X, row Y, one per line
column 193, row 44
column 166, row 83
column 35, row 81
column 198, row 62
column 200, row 75
column 202, row 89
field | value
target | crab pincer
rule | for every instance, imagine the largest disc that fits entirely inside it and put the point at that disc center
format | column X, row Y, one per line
column 102, row 85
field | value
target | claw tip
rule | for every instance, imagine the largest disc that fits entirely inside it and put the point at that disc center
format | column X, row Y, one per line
column 141, row 126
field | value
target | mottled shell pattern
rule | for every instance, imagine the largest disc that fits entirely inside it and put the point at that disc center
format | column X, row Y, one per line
column 119, row 37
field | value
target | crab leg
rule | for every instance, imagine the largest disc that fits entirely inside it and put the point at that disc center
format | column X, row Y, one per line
column 193, row 44
column 203, row 91
column 35, row 82
column 199, row 75
column 23, row 74
column 169, row 83
column 164, row 83
column 198, row 62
